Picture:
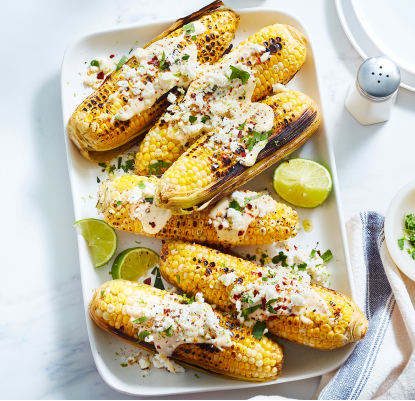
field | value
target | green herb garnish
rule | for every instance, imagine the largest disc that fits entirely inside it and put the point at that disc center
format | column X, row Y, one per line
column 281, row 257
column 258, row 330
column 313, row 252
column 241, row 74
column 149, row 200
column 141, row 185
column 98, row 180
column 234, row 205
column 95, row 63
column 121, row 62
column 251, row 258
column 205, row 118
column 140, row 320
column 189, row 28
column 158, row 283
column 155, row 168
column 249, row 310
column 178, row 278
column 143, row 335
column 302, row 266
column 326, row 256
column 124, row 365
column 102, row 292
column 119, row 203
column 168, row 332
column 186, row 57
column 192, row 119
column 242, row 126
column 163, row 63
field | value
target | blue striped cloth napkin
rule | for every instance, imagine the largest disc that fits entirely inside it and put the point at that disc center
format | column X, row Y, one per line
column 382, row 365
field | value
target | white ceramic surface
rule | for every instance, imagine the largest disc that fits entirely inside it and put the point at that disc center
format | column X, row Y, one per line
column 362, row 29
column 403, row 203
column 300, row 362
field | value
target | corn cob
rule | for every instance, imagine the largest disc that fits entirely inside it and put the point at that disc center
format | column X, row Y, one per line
column 183, row 188
column 246, row 358
column 93, row 127
column 278, row 224
column 288, row 52
column 195, row 268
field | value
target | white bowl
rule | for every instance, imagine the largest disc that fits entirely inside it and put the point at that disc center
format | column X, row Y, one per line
column 403, row 203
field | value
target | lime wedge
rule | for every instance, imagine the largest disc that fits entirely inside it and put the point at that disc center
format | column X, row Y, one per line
column 302, row 182
column 101, row 239
column 133, row 263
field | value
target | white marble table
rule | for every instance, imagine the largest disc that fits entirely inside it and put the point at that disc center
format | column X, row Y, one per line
column 44, row 346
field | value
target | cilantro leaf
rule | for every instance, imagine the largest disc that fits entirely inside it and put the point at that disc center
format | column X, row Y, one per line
column 205, row 118
column 163, row 63
column 241, row 74
column 149, row 200
column 102, row 292
column 313, row 252
column 242, row 126
column 124, row 365
column 95, row 63
column 123, row 60
column 141, row 185
column 410, row 222
column 168, row 332
column 186, row 57
column 247, row 200
column 119, row 203
column 258, row 330
column 143, row 335
column 187, row 300
column 189, row 28
column 140, row 320
column 251, row 258
column 281, row 257
column 251, row 143
column 234, row 205
column 157, row 283
column 302, row 266
column 98, row 180
column 250, row 310
column 326, row 256
column 401, row 243
column 192, row 119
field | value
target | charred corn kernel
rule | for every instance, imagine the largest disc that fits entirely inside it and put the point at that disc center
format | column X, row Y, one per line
column 280, row 40
column 194, row 227
column 228, row 362
column 221, row 173
column 337, row 334
column 102, row 138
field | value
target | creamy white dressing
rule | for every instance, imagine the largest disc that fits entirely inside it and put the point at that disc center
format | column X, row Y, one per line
column 152, row 218
column 170, row 323
column 293, row 297
column 141, row 92
column 231, row 224
column 224, row 105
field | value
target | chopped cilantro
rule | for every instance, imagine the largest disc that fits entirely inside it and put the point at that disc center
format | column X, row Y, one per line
column 121, row 62
column 194, row 37
column 102, row 292
column 251, row 143
column 95, row 63
column 234, row 205
column 163, row 63
column 249, row 310
column 149, row 200
column 262, row 260
column 168, row 332
column 281, row 257
column 197, row 376
column 258, row 330
column 117, row 117
column 186, row 57
column 187, row 300
column 326, row 256
column 276, row 142
column 241, row 74
column 192, row 119
column 143, row 335
column 140, row 320
column 119, row 162
column 117, row 353
column 130, row 51
column 245, row 298
column 313, row 252
column 272, row 274
column 129, row 165
column 189, row 28
column 251, row 258
column 265, row 278
column 178, row 74
column 141, row 185
column 119, row 203
column 247, row 200
column 155, row 168
column 242, row 126
column 302, row 266
column 98, row 180
column 205, row 118
column 124, row 365
column 401, row 243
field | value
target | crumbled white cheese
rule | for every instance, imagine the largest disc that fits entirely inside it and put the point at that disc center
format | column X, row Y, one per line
column 227, row 279
column 135, row 195
column 172, row 99
column 199, row 297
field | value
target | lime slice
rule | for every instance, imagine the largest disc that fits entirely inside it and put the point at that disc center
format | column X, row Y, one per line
column 302, row 182
column 100, row 237
column 133, row 263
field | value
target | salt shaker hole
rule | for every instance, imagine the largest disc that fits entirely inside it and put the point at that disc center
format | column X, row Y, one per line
column 380, row 67
column 378, row 82
column 373, row 73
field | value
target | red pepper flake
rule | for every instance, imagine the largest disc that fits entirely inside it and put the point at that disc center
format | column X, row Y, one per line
column 193, row 95
column 240, row 134
column 273, row 317
column 243, row 154
column 278, row 307
column 258, row 60
column 284, row 307
column 112, row 56
column 292, row 282
column 152, row 224
column 220, row 227
column 147, row 281
column 259, row 274
column 240, row 233
column 236, row 297
column 295, row 247
column 100, row 75
column 256, row 293
column 166, row 311
column 319, row 253
column 263, row 302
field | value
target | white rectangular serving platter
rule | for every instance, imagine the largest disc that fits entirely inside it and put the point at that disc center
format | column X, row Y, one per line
column 300, row 362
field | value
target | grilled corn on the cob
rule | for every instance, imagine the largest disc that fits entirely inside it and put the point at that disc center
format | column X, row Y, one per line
column 324, row 319
column 225, row 348
column 271, row 56
column 260, row 219
column 112, row 119
column 230, row 159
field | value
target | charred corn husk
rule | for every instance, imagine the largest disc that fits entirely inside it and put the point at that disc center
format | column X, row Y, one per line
column 271, row 56
column 225, row 349
column 226, row 158
column 116, row 115
column 327, row 319
column 261, row 219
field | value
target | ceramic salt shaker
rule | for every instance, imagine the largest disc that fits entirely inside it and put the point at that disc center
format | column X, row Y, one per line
column 371, row 97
